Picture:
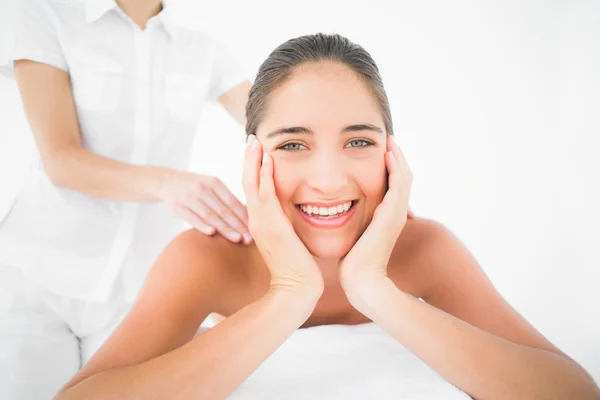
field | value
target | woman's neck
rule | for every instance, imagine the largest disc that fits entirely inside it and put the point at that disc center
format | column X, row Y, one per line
column 330, row 271
column 140, row 11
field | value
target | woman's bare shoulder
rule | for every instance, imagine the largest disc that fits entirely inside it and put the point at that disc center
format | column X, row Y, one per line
column 214, row 255
column 195, row 244
column 230, row 269
column 407, row 266
column 193, row 268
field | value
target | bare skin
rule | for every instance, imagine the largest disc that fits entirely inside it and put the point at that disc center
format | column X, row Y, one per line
column 237, row 276
column 202, row 201
column 372, row 268
column 251, row 280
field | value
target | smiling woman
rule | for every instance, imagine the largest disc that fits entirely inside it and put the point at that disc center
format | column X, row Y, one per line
column 327, row 191
column 326, row 132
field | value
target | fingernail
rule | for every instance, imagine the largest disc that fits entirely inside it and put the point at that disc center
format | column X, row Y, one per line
column 208, row 231
column 234, row 236
column 247, row 238
column 251, row 139
column 265, row 157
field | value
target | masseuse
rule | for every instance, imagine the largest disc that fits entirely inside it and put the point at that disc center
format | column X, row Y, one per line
column 112, row 91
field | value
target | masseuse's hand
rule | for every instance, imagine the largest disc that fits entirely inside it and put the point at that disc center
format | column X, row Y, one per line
column 205, row 203
column 366, row 263
column 291, row 265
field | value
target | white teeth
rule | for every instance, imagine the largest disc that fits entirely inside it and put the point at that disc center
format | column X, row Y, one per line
column 326, row 211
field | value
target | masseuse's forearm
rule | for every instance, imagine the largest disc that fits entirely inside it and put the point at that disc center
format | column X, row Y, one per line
column 48, row 103
column 481, row 364
column 212, row 365
column 81, row 170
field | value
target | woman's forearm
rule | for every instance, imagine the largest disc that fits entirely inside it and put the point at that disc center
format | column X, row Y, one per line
column 48, row 103
column 212, row 365
column 81, row 170
column 481, row 364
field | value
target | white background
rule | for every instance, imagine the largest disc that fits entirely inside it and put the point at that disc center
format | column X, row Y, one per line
column 497, row 107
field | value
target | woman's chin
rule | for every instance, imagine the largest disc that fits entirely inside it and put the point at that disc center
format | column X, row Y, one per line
column 328, row 248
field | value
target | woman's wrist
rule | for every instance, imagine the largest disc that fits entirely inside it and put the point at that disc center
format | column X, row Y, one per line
column 370, row 294
column 159, row 179
column 301, row 299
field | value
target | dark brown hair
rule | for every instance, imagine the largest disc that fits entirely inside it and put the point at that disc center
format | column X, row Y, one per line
column 313, row 48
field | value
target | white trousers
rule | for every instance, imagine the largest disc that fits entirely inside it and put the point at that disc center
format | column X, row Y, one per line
column 46, row 338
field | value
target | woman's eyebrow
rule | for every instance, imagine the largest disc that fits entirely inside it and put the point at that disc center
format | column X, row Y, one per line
column 293, row 129
column 362, row 127
column 306, row 131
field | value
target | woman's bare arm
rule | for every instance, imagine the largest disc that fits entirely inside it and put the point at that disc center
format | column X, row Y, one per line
column 152, row 353
column 468, row 333
column 48, row 102
column 234, row 101
column 202, row 201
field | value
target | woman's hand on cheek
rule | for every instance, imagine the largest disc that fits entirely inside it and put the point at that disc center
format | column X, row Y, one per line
column 366, row 263
column 291, row 265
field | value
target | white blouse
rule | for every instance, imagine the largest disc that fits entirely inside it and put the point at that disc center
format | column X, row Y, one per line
column 138, row 96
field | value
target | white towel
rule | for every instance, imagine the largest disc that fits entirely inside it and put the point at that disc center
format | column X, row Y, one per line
column 332, row 362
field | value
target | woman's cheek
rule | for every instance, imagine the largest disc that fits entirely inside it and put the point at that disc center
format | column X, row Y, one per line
column 285, row 174
column 372, row 179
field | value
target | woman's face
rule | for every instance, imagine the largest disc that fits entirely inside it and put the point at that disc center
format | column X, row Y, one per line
column 326, row 134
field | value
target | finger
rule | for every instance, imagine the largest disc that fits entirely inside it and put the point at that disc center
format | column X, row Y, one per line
column 393, row 195
column 250, row 178
column 394, row 175
column 395, row 149
column 266, row 190
column 404, row 173
column 223, row 211
column 403, row 178
column 247, row 238
column 232, row 203
column 194, row 220
column 210, row 216
column 236, row 214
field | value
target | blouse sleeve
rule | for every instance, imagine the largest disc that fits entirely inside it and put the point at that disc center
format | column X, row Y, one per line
column 31, row 34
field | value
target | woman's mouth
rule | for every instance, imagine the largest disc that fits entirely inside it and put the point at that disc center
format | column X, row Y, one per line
column 327, row 216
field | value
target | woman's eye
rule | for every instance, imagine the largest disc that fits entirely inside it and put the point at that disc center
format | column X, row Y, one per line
column 292, row 146
column 358, row 143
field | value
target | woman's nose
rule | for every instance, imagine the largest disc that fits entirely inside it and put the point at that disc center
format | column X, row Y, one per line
column 327, row 175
